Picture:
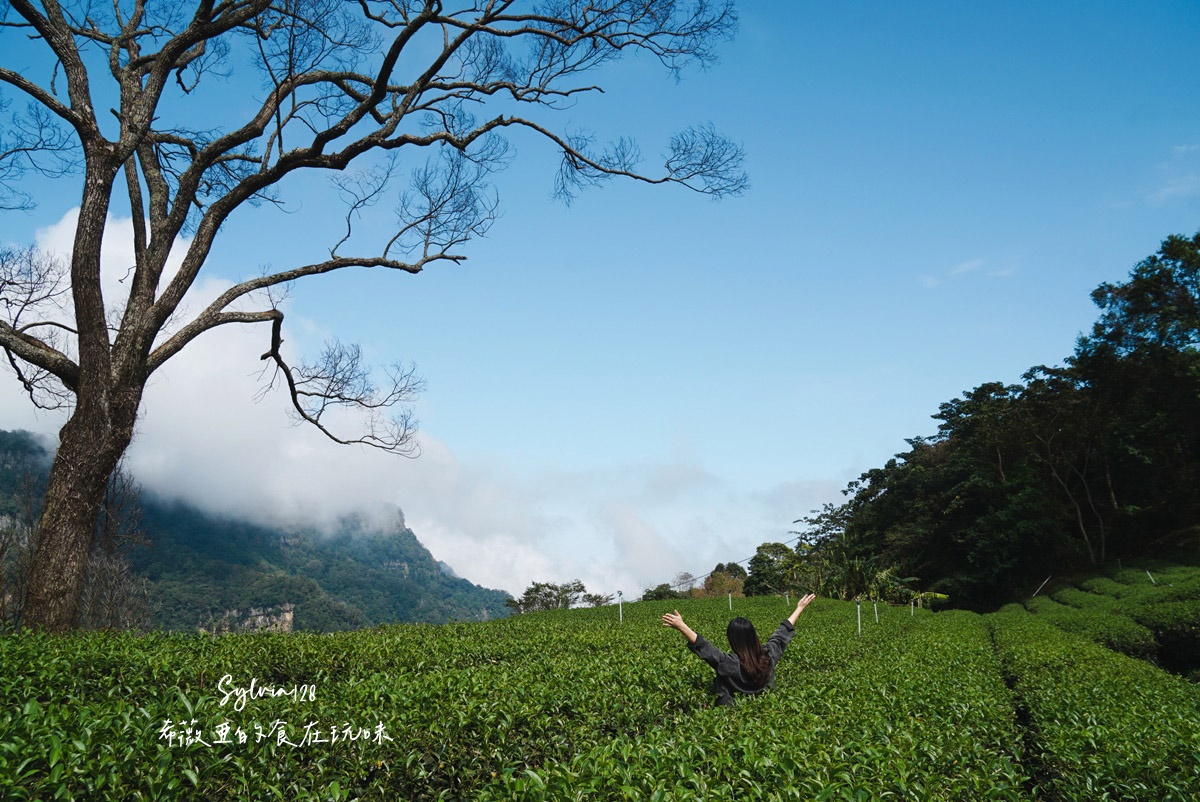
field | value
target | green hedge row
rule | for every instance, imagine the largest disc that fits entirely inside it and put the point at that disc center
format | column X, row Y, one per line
column 1167, row 605
column 563, row 705
column 913, row 709
column 1101, row 725
column 1098, row 624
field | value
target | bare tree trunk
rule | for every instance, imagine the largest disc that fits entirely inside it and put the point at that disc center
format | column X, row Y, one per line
column 1099, row 516
column 87, row 454
column 114, row 596
column 90, row 447
column 1048, row 461
column 20, row 536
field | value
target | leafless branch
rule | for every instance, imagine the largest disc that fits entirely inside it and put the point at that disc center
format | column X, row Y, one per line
column 33, row 283
column 359, row 191
column 338, row 380
column 31, row 141
column 449, row 203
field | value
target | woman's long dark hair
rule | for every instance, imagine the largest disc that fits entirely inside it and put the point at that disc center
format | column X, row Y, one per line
column 743, row 639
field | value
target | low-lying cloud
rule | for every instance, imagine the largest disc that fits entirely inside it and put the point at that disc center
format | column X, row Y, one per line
column 205, row 439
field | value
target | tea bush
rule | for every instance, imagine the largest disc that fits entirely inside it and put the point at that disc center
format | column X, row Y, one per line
column 1099, row 624
column 1101, row 725
column 1167, row 603
column 572, row 705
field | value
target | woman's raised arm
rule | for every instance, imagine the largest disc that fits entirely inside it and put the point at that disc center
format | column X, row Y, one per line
column 675, row 620
column 800, row 605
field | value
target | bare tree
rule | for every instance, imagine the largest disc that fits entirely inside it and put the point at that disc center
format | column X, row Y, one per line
column 684, row 581
column 346, row 86
column 33, row 290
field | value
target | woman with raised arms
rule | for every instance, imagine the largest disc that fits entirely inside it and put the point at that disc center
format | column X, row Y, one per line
column 750, row 668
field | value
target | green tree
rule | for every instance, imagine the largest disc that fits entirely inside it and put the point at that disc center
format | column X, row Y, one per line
column 1064, row 428
column 1158, row 307
column 597, row 599
column 767, row 570
column 348, row 89
column 1141, row 365
column 660, row 593
column 723, row 580
column 813, row 563
column 734, row 570
column 549, row 596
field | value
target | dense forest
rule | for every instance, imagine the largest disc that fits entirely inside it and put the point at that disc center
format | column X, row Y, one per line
column 1078, row 465
column 167, row 565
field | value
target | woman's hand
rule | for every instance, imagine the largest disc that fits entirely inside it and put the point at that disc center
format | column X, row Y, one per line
column 675, row 621
column 800, row 605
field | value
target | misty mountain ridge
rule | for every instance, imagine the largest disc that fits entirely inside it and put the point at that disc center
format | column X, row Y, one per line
column 226, row 573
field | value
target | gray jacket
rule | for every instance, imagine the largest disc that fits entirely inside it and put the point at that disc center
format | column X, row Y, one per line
column 729, row 679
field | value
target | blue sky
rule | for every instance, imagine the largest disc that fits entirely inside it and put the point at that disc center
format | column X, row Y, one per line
column 647, row 382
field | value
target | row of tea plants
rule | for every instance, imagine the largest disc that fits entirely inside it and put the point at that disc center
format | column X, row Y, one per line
column 1099, row 725
column 598, row 704
column 1151, row 612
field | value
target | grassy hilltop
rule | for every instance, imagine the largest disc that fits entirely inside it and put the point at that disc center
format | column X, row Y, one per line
column 579, row 705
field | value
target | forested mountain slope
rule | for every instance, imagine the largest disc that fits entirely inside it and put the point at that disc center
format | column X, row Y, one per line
column 222, row 573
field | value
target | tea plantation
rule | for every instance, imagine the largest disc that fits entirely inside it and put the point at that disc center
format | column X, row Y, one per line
column 1027, row 703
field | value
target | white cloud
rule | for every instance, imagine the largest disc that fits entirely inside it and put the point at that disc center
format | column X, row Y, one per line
column 967, row 267
column 1180, row 186
column 638, row 543
column 623, row 528
column 203, row 438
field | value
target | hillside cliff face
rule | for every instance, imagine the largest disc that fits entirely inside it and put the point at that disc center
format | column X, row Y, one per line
column 256, row 619
column 221, row 573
